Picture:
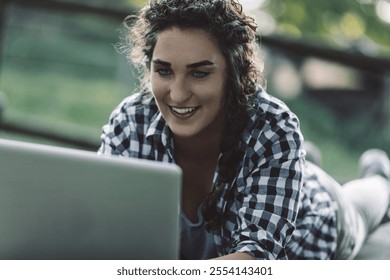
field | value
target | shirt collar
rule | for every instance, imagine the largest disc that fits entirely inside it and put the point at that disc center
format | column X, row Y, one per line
column 158, row 129
column 159, row 132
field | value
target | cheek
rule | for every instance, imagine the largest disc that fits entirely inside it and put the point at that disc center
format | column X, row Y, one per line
column 214, row 92
column 157, row 88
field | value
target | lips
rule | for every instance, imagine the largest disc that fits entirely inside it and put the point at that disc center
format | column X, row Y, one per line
column 183, row 111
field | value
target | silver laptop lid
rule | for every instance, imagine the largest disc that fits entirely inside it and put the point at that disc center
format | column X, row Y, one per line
column 60, row 203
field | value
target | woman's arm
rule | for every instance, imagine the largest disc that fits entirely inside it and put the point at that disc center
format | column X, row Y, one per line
column 267, row 199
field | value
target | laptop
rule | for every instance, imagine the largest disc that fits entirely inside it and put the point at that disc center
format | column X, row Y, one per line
column 67, row 204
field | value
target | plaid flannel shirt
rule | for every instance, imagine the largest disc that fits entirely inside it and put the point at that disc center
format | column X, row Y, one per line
column 273, row 210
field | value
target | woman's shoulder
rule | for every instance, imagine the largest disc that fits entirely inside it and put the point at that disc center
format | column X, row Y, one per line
column 137, row 104
column 137, row 100
column 269, row 110
column 272, row 128
column 268, row 104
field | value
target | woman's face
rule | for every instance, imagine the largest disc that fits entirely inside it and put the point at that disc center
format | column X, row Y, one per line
column 188, row 78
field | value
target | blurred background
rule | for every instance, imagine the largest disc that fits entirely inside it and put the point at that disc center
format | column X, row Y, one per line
column 60, row 75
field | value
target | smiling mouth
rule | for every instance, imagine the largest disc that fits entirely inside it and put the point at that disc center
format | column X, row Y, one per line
column 183, row 111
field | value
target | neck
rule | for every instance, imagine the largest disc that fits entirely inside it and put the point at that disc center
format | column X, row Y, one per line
column 198, row 147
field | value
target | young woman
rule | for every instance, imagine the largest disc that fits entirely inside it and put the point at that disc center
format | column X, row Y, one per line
column 247, row 191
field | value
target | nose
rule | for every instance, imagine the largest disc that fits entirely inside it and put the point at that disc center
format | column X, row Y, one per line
column 180, row 91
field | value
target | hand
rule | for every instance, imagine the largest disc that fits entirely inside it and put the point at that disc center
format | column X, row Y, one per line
column 235, row 256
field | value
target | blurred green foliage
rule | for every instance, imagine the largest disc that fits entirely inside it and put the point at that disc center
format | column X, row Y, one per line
column 332, row 20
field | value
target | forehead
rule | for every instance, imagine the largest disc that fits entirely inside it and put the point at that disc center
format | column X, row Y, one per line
column 189, row 44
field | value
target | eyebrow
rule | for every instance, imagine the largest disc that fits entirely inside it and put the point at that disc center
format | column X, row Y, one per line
column 192, row 65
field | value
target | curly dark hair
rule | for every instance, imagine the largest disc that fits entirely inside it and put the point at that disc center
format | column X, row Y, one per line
column 235, row 33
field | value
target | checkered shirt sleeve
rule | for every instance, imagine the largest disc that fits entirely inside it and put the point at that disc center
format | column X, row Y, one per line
column 316, row 233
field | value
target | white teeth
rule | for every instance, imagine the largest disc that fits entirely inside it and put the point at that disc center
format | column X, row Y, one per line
column 183, row 111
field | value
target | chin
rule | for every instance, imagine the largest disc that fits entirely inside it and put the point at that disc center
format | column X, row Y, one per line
column 183, row 133
column 187, row 130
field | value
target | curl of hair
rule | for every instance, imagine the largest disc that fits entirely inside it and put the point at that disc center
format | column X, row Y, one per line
column 235, row 33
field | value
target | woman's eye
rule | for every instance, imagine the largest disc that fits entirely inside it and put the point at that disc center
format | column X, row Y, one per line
column 164, row 72
column 199, row 74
